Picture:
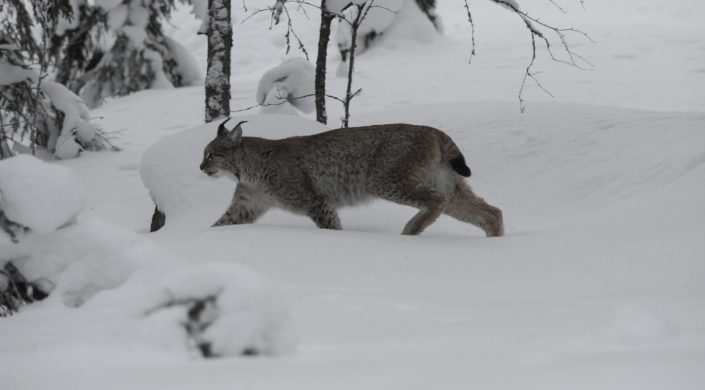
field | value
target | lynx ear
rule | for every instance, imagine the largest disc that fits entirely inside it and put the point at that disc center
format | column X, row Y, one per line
column 236, row 133
column 221, row 129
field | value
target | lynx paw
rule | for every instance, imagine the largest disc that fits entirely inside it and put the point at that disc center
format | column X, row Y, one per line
column 225, row 220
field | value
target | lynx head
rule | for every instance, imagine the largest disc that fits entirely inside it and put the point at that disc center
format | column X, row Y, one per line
column 218, row 155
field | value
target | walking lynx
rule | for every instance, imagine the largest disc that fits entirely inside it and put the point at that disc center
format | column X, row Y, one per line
column 314, row 175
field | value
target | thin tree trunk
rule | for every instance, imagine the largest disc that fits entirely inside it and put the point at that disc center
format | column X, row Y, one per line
column 220, row 40
column 320, row 84
column 217, row 84
column 351, row 64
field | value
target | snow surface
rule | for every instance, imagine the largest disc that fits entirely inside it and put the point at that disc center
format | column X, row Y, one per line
column 598, row 284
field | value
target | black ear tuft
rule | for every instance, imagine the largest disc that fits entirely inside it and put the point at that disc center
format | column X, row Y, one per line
column 235, row 134
column 238, row 125
column 221, row 129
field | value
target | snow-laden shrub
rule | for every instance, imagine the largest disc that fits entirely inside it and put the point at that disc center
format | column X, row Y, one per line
column 141, row 56
column 59, row 122
column 287, row 87
column 39, row 195
column 121, row 280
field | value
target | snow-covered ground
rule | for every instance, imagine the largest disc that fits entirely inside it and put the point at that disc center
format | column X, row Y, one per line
column 598, row 283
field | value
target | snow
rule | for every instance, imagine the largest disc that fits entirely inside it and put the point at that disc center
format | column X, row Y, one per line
column 185, row 63
column 11, row 74
column 378, row 19
column 291, row 80
column 39, row 195
column 157, row 63
column 338, row 5
column 76, row 124
column 597, row 284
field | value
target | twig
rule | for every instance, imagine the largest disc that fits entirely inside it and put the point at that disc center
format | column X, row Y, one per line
column 286, row 100
column 531, row 23
column 472, row 31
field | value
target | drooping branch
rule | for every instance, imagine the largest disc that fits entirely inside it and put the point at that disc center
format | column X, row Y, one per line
column 472, row 31
column 537, row 30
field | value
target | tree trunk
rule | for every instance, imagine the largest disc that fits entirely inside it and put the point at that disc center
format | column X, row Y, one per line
column 217, row 84
column 220, row 40
column 348, row 92
column 320, row 84
column 5, row 151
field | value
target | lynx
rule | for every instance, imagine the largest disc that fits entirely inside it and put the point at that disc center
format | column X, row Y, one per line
column 314, row 175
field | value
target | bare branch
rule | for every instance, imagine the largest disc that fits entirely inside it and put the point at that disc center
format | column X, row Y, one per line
column 285, row 100
column 558, row 6
column 290, row 30
column 534, row 25
column 472, row 31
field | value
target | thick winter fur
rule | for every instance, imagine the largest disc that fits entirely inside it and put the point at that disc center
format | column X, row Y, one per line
column 418, row 166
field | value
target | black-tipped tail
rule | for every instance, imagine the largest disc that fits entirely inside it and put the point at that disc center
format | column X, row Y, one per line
column 458, row 165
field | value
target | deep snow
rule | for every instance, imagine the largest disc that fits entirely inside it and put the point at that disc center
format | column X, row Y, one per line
column 599, row 282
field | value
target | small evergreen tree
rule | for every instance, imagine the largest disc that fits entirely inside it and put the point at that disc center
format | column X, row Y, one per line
column 141, row 57
column 34, row 112
column 74, row 47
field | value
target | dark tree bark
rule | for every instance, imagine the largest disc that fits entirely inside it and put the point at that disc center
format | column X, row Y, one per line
column 217, row 84
column 220, row 41
column 5, row 151
column 320, row 83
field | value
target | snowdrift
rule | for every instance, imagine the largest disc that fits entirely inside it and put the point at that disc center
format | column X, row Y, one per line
column 169, row 168
column 137, row 291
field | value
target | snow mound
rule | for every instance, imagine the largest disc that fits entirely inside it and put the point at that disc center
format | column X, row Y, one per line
column 149, row 293
column 290, row 81
column 169, row 168
column 125, row 271
column 39, row 195
column 247, row 314
column 410, row 25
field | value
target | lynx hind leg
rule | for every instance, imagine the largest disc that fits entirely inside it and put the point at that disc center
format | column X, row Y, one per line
column 465, row 206
column 246, row 207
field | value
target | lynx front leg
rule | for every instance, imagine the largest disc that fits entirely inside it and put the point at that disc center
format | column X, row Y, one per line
column 246, row 207
column 324, row 216
column 430, row 203
column 428, row 200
